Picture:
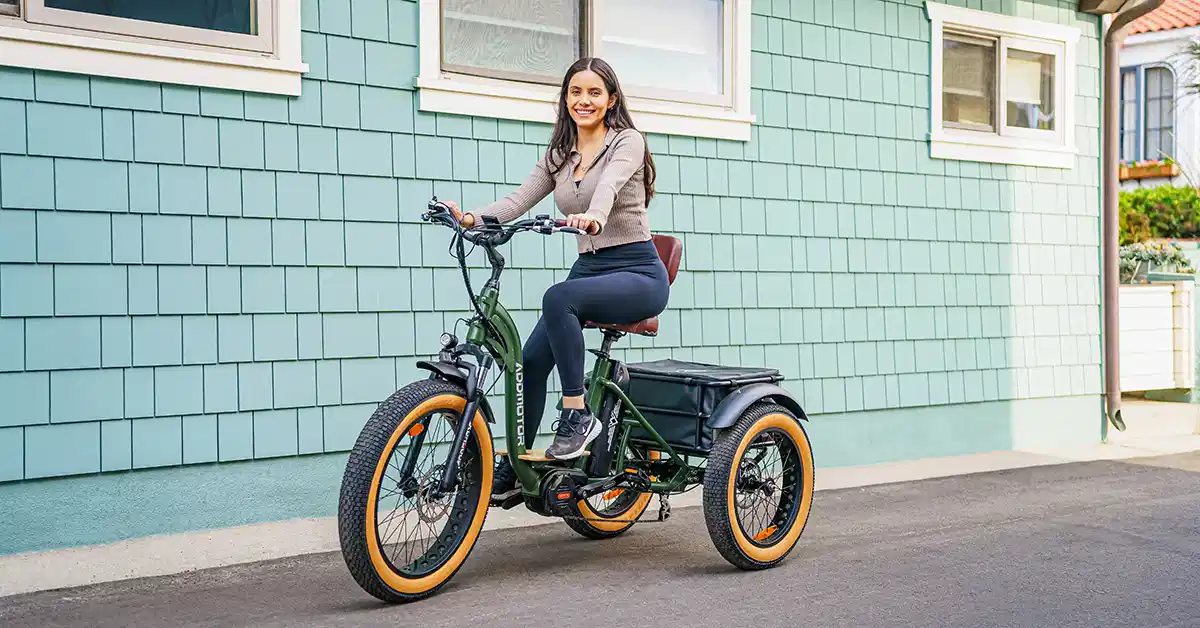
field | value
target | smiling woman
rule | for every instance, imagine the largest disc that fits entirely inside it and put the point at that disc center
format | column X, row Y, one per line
column 601, row 173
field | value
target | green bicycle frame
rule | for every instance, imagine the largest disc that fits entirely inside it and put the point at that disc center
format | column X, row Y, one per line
column 506, row 349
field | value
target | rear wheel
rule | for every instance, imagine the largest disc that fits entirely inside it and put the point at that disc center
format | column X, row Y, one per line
column 758, row 487
column 401, row 540
column 612, row 513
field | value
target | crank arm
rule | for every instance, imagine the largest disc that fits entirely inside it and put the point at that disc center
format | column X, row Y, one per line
column 631, row 479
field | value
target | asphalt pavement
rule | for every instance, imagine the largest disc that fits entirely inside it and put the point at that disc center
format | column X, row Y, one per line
column 1089, row 544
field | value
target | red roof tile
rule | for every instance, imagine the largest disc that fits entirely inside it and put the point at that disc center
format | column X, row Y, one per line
column 1172, row 14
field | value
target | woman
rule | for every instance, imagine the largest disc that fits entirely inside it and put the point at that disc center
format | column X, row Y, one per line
column 602, row 177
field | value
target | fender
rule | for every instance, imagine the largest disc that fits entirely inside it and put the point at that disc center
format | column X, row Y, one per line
column 454, row 375
column 731, row 407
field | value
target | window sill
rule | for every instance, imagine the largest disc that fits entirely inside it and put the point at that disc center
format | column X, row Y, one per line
column 993, row 149
column 61, row 51
column 468, row 96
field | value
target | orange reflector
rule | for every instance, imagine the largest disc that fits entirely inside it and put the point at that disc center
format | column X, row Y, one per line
column 765, row 533
column 613, row 494
column 416, row 429
column 564, row 495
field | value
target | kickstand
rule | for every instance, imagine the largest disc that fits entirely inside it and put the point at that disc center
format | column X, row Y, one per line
column 664, row 507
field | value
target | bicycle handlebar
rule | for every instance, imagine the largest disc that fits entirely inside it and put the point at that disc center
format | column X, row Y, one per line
column 492, row 235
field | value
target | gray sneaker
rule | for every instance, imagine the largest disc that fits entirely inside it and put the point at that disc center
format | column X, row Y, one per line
column 575, row 429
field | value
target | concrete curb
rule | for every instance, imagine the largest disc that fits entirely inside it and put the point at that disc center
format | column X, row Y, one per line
column 178, row 553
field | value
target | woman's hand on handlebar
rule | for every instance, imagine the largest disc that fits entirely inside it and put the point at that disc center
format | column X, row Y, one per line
column 584, row 223
column 466, row 220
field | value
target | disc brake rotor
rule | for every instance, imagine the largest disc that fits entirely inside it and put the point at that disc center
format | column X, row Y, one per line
column 429, row 508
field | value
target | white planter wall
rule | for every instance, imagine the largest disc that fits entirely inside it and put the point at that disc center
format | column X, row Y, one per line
column 1157, row 336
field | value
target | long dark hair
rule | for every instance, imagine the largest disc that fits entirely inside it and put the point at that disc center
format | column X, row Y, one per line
column 617, row 118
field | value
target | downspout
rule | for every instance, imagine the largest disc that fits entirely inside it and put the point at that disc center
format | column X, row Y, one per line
column 1114, row 38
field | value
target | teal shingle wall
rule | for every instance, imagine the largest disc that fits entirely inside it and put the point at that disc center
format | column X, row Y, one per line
column 192, row 275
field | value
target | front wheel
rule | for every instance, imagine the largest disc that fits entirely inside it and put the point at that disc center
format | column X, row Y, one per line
column 401, row 540
column 758, row 487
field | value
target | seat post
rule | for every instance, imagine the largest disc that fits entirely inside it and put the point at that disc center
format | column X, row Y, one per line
column 610, row 337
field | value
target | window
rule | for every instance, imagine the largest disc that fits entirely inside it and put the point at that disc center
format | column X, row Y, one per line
column 506, row 58
column 1147, row 113
column 1002, row 88
column 251, row 45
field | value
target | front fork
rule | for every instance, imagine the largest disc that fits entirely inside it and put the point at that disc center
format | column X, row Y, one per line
column 475, row 375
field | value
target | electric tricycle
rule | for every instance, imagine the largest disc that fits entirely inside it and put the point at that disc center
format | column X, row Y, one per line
column 417, row 485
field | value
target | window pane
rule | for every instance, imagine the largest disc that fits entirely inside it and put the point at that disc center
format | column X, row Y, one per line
column 1154, row 145
column 968, row 83
column 686, row 56
column 1153, row 114
column 1160, row 113
column 1128, row 117
column 533, row 40
column 1030, row 89
column 232, row 16
column 1152, row 86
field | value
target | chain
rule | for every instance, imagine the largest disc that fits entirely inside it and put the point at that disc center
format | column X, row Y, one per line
column 664, row 513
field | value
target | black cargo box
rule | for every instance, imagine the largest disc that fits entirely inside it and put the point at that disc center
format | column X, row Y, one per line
column 677, row 398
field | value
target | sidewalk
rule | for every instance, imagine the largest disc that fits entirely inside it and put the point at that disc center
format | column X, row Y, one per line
column 1154, row 428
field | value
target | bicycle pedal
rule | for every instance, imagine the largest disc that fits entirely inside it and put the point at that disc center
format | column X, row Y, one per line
column 507, row 504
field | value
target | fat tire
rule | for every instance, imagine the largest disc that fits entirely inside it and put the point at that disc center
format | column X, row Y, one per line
column 357, row 479
column 716, row 483
column 585, row 529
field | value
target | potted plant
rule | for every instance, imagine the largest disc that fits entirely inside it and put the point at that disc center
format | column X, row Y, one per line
column 1139, row 259
column 1148, row 169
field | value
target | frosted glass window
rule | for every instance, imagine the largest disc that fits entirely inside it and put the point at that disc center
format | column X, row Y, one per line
column 524, row 40
column 675, row 45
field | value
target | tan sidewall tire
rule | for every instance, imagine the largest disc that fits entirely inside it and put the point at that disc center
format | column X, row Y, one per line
column 360, row 488
column 437, row 578
column 784, row 545
column 607, row 529
column 721, row 475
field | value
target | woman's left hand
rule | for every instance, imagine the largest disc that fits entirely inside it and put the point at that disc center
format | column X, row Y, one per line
column 584, row 223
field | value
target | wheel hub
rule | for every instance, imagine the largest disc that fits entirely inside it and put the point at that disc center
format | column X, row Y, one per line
column 432, row 503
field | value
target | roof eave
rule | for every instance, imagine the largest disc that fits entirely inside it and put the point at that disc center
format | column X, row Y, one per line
column 1100, row 7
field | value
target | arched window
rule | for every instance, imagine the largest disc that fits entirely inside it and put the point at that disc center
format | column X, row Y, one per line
column 1147, row 113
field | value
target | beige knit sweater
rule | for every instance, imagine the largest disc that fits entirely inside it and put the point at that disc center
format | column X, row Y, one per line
column 612, row 192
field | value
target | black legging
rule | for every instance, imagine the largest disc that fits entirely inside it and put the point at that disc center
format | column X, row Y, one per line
column 621, row 284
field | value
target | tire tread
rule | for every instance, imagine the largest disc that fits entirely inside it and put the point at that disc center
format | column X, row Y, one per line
column 356, row 485
column 716, row 484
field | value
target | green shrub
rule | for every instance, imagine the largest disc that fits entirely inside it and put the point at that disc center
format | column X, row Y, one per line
column 1165, row 211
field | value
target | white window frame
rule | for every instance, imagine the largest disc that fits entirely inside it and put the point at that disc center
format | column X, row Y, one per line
column 43, row 38
column 1004, row 144
column 654, row 111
